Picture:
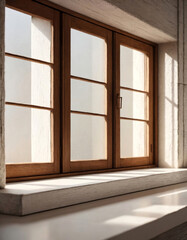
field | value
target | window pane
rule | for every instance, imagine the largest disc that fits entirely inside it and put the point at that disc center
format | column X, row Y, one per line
column 27, row 35
column 88, row 137
column 133, row 139
column 27, row 82
column 88, row 97
column 88, row 56
column 134, row 104
column 27, row 135
column 132, row 69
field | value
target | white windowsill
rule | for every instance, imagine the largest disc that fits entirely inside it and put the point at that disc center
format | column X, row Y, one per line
column 36, row 196
column 136, row 215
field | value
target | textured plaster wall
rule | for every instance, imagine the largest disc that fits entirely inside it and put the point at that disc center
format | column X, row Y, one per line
column 185, row 82
column 168, row 105
column 182, row 55
column 173, row 96
column 160, row 14
column 2, row 96
column 155, row 20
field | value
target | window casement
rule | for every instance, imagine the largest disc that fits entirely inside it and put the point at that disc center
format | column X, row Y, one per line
column 87, row 96
column 79, row 95
column 134, row 102
column 32, row 83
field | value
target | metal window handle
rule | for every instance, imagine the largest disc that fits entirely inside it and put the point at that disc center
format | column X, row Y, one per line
column 119, row 102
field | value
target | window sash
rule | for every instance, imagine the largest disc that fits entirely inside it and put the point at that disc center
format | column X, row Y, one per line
column 38, row 168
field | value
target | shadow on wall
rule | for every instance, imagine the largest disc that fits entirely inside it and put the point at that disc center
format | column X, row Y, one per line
column 168, row 105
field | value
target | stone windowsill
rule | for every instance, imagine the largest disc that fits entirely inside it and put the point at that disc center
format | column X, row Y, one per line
column 35, row 196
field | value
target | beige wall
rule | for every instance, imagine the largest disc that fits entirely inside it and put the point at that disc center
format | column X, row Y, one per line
column 182, row 55
column 168, row 105
column 2, row 96
column 155, row 20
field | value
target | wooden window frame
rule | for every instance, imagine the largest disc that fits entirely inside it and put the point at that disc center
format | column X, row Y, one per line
column 120, row 39
column 78, row 24
column 30, row 169
column 61, row 165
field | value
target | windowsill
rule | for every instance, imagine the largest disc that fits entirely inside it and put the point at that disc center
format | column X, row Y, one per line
column 138, row 216
column 36, row 196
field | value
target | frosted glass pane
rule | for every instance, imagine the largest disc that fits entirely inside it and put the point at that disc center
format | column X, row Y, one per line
column 88, row 137
column 133, row 139
column 134, row 104
column 132, row 68
column 88, row 56
column 27, row 35
column 88, row 97
column 27, row 82
column 27, row 135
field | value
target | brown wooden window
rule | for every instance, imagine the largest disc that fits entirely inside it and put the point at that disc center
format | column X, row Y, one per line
column 134, row 102
column 79, row 95
column 88, row 96
column 32, row 89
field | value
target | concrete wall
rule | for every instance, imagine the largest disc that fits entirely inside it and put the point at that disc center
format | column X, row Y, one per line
column 168, row 105
column 155, row 20
column 160, row 14
column 185, row 82
column 182, row 55
column 2, row 96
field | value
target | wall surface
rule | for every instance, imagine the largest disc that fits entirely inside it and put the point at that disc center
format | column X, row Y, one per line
column 154, row 20
column 160, row 14
column 2, row 96
column 182, row 90
column 185, row 82
column 168, row 105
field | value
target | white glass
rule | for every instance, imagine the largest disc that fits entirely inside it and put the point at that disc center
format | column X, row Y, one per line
column 134, row 105
column 27, row 35
column 132, row 69
column 27, row 135
column 133, row 139
column 88, row 137
column 88, row 97
column 88, row 56
column 27, row 82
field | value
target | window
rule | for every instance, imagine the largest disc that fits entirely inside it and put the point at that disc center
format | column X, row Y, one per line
column 134, row 113
column 88, row 96
column 31, row 84
column 79, row 96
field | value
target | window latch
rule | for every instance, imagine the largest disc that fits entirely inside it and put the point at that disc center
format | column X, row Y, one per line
column 119, row 101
